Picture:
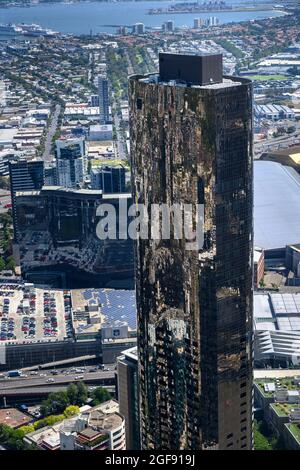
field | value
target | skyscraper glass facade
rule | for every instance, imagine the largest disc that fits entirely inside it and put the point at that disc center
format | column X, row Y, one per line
column 193, row 144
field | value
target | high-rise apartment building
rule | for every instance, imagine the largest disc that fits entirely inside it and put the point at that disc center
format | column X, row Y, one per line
column 212, row 21
column 128, row 396
column 69, row 161
column 198, row 23
column 170, row 25
column 139, row 28
column 24, row 176
column 110, row 179
column 191, row 142
column 103, row 99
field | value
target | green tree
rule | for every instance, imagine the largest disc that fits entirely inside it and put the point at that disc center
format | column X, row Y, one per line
column 4, row 182
column 82, row 393
column 12, row 439
column 27, row 429
column 100, row 395
column 48, row 421
column 71, row 410
column 56, row 403
column 260, row 441
column 2, row 264
column 10, row 263
column 72, row 393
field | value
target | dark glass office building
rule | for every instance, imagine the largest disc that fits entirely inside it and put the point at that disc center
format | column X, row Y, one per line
column 24, row 176
column 58, row 239
column 191, row 142
column 110, row 179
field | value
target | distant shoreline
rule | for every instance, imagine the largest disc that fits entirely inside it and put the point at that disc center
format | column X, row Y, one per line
column 225, row 10
column 263, row 6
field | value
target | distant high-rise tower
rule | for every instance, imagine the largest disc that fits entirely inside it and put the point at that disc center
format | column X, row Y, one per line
column 103, row 99
column 69, row 161
column 170, row 25
column 24, row 176
column 139, row 28
column 198, row 23
column 191, row 142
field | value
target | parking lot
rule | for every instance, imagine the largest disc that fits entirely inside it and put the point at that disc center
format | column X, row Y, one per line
column 29, row 314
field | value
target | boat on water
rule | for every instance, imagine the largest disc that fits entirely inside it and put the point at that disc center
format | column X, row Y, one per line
column 31, row 30
column 35, row 30
column 9, row 30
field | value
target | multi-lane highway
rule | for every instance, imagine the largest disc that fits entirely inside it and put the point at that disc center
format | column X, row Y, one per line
column 43, row 380
column 34, row 388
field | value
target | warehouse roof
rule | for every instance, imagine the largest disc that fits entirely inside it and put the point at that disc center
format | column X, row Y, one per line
column 276, row 205
column 277, row 311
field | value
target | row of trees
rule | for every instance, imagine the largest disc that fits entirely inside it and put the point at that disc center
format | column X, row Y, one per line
column 7, row 261
column 76, row 394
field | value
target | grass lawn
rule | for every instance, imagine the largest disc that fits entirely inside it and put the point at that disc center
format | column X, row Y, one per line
column 264, row 78
column 283, row 409
column 97, row 162
column 295, row 430
column 280, row 410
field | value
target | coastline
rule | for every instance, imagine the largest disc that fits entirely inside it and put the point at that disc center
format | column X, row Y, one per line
column 229, row 10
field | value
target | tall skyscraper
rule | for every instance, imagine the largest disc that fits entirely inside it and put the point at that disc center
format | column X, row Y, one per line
column 24, row 176
column 191, row 142
column 128, row 396
column 103, row 99
column 139, row 28
column 69, row 161
column 198, row 23
column 170, row 25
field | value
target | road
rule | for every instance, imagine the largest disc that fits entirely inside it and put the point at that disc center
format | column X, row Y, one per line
column 22, row 393
column 121, row 144
column 272, row 144
column 38, row 381
column 130, row 69
column 51, row 131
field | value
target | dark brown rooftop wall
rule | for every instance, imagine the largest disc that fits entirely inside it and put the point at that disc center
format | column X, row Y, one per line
column 196, row 70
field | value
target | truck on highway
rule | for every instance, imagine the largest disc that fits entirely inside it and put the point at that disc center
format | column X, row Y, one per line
column 14, row 373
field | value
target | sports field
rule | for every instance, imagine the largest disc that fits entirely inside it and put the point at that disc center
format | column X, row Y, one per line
column 264, row 78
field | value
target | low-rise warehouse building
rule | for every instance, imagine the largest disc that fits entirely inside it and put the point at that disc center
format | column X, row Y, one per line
column 276, row 209
column 277, row 329
column 14, row 418
column 274, row 112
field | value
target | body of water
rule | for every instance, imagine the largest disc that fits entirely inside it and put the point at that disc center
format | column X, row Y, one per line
column 82, row 17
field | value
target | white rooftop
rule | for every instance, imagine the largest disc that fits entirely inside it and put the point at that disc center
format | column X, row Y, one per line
column 280, row 312
column 276, row 205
